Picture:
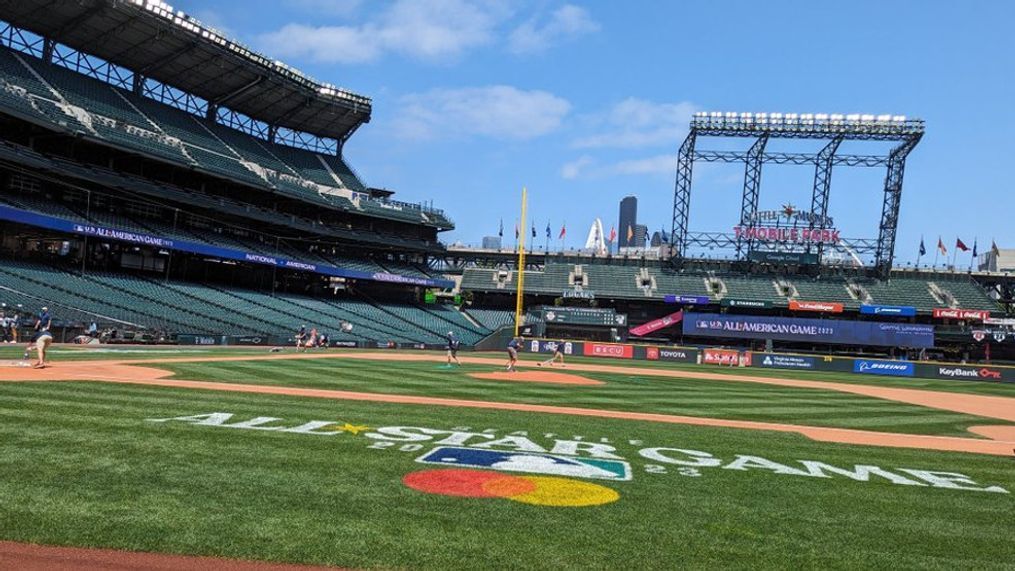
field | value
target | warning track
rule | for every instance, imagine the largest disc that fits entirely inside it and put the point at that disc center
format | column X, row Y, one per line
column 1001, row 443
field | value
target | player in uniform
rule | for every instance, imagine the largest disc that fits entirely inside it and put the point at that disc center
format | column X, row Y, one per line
column 300, row 336
column 513, row 347
column 558, row 352
column 452, row 346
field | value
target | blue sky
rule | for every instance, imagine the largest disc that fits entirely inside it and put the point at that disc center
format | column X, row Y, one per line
column 585, row 103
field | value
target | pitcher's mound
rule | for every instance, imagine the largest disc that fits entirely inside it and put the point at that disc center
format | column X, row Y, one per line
column 537, row 377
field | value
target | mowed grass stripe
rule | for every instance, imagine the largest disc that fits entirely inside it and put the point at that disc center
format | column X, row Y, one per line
column 79, row 473
column 719, row 399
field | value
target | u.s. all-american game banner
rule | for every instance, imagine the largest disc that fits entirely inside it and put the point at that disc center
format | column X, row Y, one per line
column 820, row 331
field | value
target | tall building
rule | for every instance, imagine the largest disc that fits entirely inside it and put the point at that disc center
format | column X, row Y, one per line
column 640, row 236
column 596, row 240
column 491, row 242
column 628, row 220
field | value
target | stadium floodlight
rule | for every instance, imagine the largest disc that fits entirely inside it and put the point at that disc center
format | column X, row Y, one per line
column 867, row 117
column 821, row 116
column 899, row 118
column 884, row 118
column 853, row 117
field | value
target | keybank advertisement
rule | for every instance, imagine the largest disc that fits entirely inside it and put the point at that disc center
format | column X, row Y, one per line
column 809, row 330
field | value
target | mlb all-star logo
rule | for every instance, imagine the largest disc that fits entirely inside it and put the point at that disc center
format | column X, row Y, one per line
column 527, row 462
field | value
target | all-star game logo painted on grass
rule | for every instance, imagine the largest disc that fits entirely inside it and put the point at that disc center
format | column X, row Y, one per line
column 548, row 470
column 534, row 490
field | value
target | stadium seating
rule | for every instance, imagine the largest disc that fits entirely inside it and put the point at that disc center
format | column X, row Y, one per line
column 95, row 108
column 183, row 307
column 831, row 289
column 492, row 319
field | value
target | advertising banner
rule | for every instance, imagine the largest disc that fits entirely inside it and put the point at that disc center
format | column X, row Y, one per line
column 783, row 361
column 899, row 310
column 965, row 372
column 885, row 368
column 782, row 258
column 687, row 299
column 745, row 303
column 678, row 355
column 970, row 314
column 817, row 331
column 54, row 223
column 818, row 306
column 724, row 357
column 539, row 346
column 657, row 324
column 608, row 350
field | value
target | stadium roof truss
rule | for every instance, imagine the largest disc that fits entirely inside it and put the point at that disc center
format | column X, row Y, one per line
column 762, row 127
column 197, row 67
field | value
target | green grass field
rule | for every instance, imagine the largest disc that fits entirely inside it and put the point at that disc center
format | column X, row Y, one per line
column 83, row 465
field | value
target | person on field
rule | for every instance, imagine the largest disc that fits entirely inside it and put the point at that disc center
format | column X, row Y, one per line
column 43, row 321
column 558, row 353
column 300, row 336
column 513, row 347
column 312, row 339
column 452, row 346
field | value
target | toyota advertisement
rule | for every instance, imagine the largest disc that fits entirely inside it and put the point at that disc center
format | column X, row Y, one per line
column 818, row 331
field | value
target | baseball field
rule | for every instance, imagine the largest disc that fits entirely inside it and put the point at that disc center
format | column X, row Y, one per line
column 394, row 460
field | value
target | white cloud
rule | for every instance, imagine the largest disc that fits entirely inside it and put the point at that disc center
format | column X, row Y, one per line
column 498, row 112
column 575, row 168
column 433, row 30
column 566, row 23
column 588, row 168
column 635, row 123
column 327, row 7
column 659, row 164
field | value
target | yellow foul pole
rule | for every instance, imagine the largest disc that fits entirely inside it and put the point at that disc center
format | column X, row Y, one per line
column 521, row 267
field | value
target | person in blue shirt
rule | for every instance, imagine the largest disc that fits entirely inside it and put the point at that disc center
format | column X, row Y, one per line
column 44, row 321
column 43, row 338
column 513, row 347
column 452, row 346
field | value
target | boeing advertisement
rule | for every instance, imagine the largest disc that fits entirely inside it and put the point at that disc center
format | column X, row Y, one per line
column 819, row 331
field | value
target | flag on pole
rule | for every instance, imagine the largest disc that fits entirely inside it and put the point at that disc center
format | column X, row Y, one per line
column 547, row 229
column 663, row 236
column 941, row 247
column 974, row 247
column 923, row 249
column 630, row 233
column 501, row 231
column 613, row 233
column 517, row 233
column 959, row 245
column 533, row 229
column 563, row 231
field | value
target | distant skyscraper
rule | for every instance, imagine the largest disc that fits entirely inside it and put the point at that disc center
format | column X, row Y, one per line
column 657, row 240
column 628, row 220
column 491, row 242
column 640, row 235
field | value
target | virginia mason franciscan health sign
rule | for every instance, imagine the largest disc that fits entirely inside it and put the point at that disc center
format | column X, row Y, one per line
column 830, row 331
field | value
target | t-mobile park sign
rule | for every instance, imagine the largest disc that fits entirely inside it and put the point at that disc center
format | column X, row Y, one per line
column 787, row 235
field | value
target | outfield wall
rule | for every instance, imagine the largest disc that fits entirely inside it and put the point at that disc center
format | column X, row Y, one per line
column 785, row 361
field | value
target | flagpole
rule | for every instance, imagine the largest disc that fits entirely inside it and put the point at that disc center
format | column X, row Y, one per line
column 519, row 296
column 919, row 253
column 547, row 237
column 973, row 256
column 937, row 251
